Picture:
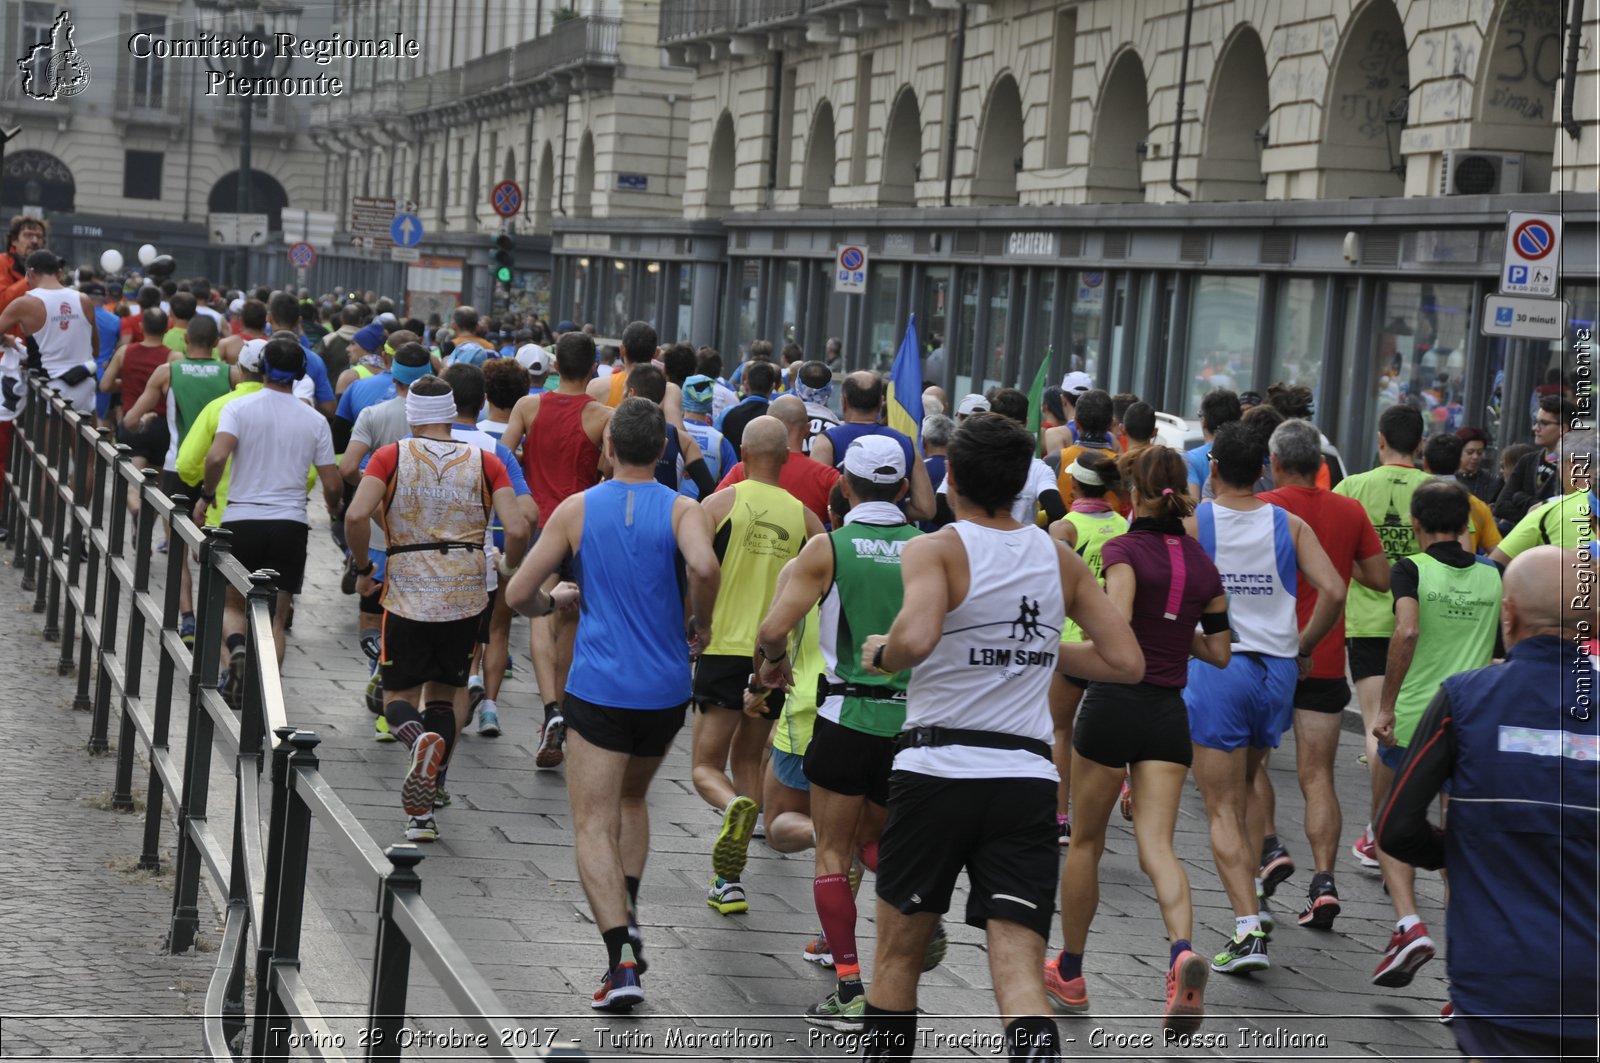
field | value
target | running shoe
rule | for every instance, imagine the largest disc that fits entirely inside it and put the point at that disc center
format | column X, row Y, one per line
column 1125, row 802
column 1366, row 850
column 475, row 695
column 1407, row 952
column 732, row 847
column 1243, row 955
column 1269, row 922
column 1447, row 1014
column 186, row 629
column 551, row 736
column 1069, row 996
column 938, row 945
column 759, row 831
column 347, row 582
column 1322, row 905
column 422, row 829
column 818, row 952
column 372, row 646
column 846, row 1016
column 1063, row 829
column 375, row 695
column 1276, row 867
column 727, row 897
column 489, row 722
column 441, row 796
column 619, row 989
column 380, row 730
column 422, row 778
column 1186, row 988
column 232, row 688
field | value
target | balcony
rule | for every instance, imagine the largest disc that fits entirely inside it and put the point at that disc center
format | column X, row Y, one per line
column 156, row 109
column 274, row 116
column 559, row 61
column 710, row 29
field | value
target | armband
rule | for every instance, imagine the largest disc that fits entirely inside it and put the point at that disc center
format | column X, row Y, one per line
column 1211, row 623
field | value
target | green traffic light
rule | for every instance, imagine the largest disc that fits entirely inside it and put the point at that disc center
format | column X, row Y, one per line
column 503, row 274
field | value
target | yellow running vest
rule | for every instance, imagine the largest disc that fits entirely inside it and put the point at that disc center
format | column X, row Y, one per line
column 765, row 529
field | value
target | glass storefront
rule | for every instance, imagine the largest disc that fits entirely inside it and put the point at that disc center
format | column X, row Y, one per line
column 617, row 311
column 649, row 295
column 993, row 351
column 967, row 343
column 1420, row 342
column 933, row 322
column 883, row 329
column 1088, row 306
column 747, row 307
column 789, row 327
column 1222, row 338
column 574, row 311
column 685, row 295
column 1298, row 335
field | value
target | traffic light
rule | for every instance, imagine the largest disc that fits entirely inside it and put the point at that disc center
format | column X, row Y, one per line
column 502, row 258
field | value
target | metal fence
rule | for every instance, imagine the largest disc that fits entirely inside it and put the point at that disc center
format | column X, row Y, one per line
column 66, row 512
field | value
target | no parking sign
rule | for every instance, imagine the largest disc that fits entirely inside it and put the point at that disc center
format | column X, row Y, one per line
column 1533, row 254
column 850, row 269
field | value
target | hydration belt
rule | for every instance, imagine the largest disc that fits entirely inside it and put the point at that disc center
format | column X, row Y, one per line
column 826, row 690
column 923, row 737
column 442, row 547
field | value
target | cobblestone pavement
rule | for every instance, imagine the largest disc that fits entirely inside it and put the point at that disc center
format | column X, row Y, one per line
column 503, row 879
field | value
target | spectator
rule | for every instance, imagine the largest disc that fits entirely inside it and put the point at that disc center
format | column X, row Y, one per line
column 1481, row 481
column 1219, row 407
column 1536, row 477
column 1441, row 455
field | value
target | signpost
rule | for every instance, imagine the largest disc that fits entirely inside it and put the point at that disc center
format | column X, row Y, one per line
column 850, row 269
column 406, row 230
column 372, row 219
column 1525, row 318
column 237, row 228
column 314, row 227
column 506, row 198
column 1533, row 254
column 303, row 255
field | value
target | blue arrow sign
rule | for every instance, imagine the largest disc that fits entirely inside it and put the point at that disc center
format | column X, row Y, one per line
column 406, row 230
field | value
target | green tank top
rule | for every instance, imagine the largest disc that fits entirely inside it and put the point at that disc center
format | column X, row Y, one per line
column 761, row 533
column 1094, row 531
column 864, row 600
column 194, row 383
column 799, row 716
column 1458, row 613
column 1385, row 493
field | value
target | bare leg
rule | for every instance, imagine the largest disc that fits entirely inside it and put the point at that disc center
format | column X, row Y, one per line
column 750, row 741
column 1095, row 789
column 1155, row 818
column 1316, row 742
column 594, row 780
column 1016, row 958
column 1261, row 807
column 498, row 652
column 788, row 811
column 713, row 737
column 1369, row 692
column 897, row 960
column 1223, row 781
column 1064, row 700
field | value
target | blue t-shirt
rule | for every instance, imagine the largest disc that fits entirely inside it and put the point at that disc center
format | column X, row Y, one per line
column 1199, row 460
column 108, row 325
column 843, row 435
column 363, row 393
column 718, row 452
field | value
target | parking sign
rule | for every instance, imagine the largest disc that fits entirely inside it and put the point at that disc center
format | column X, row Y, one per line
column 1533, row 254
column 850, row 269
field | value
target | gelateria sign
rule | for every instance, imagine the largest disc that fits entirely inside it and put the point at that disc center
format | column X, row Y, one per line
column 1033, row 245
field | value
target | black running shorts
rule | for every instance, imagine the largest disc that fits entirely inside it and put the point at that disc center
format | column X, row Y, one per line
column 1002, row 831
column 172, row 486
column 417, row 652
column 636, row 732
column 1368, row 657
column 721, row 680
column 276, row 544
column 1322, row 695
column 149, row 442
column 1121, row 724
column 849, row 762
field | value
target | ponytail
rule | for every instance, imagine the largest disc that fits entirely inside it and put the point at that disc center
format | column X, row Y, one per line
column 1161, row 477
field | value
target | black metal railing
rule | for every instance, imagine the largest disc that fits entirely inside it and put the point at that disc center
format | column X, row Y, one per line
column 65, row 509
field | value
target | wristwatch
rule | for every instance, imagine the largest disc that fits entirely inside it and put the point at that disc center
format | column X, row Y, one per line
column 877, row 656
column 367, row 570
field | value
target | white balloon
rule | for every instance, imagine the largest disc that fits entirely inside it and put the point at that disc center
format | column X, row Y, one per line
column 111, row 260
column 147, row 254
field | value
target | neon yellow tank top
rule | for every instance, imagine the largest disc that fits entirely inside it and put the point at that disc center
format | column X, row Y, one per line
column 765, row 529
column 799, row 717
column 1094, row 530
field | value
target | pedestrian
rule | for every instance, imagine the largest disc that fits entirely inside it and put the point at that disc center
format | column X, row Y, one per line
column 434, row 494
column 1475, row 476
column 1441, row 457
column 863, row 398
column 1535, row 477
column 973, row 785
column 759, row 527
column 810, row 481
column 1163, row 584
column 630, row 683
column 1504, row 741
column 61, row 323
column 1561, row 521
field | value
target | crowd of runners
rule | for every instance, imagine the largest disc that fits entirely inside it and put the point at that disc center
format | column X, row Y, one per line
column 915, row 656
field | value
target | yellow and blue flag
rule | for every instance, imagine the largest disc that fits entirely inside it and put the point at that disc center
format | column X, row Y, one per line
column 905, row 385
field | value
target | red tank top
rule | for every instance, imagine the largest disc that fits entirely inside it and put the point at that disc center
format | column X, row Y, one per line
column 139, row 360
column 557, row 455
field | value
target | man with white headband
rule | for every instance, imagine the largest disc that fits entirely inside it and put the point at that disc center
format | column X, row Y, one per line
column 434, row 492
column 813, row 385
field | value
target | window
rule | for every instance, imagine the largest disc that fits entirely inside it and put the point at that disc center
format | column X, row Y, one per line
column 141, row 175
column 618, row 297
column 1298, row 334
column 968, row 342
column 1421, row 354
column 1222, row 338
column 149, row 73
column 1088, row 304
column 38, row 20
column 886, row 331
column 993, row 354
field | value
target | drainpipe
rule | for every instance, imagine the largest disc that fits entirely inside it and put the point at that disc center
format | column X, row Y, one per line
column 561, row 182
column 1569, row 77
column 777, row 124
column 1183, row 81
column 953, row 112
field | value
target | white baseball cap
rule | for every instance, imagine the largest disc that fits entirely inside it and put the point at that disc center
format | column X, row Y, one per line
column 972, row 404
column 533, row 358
column 876, row 458
column 387, row 318
column 236, row 306
column 250, row 355
column 1076, row 383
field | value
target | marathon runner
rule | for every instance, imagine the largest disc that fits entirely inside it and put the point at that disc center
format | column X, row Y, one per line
column 630, row 683
column 863, row 409
column 813, row 385
column 698, row 395
column 61, row 323
column 682, row 460
column 809, row 481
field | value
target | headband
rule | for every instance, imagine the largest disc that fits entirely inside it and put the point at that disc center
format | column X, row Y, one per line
column 1084, row 475
column 430, row 409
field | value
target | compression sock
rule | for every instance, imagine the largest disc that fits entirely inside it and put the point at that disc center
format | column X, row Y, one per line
column 1179, row 947
column 869, row 856
column 616, row 939
column 404, row 721
column 1070, row 964
column 440, row 717
column 1033, row 1037
column 836, row 909
column 887, row 1036
column 234, row 643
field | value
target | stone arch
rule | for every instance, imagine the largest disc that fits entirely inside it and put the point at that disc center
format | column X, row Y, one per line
column 1121, row 131
column 994, row 180
column 821, row 157
column 1235, row 129
column 902, row 152
column 583, row 179
column 39, row 179
column 1516, row 86
column 720, row 166
column 545, row 202
column 1368, row 96
column 266, row 195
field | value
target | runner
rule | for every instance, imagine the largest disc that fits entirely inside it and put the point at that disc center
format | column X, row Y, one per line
column 972, row 783
column 863, row 407
column 698, row 397
column 1239, row 712
column 854, row 573
column 1093, row 434
column 1536, row 477
column 61, row 323
column 1446, row 616
column 283, row 315
column 1561, row 521
column 129, row 372
column 759, row 527
column 1041, row 491
column 682, row 460
column 1163, row 584
column 1385, row 493
column 560, row 435
column 639, row 347
column 760, row 381
column 252, row 326
column 630, row 683
column 505, row 381
column 1441, row 457
column 1322, row 694
column 434, row 494
column 810, row 481
column 1220, row 406
column 813, row 385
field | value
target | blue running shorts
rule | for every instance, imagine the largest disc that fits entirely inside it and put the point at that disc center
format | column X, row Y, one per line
column 1249, row 703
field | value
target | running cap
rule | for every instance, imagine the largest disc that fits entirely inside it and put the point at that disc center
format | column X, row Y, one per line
column 566, row 325
column 1078, row 471
column 236, row 306
column 1076, row 383
column 430, row 409
column 370, row 338
column 250, row 355
column 411, row 363
column 533, row 358
column 972, row 404
column 698, row 392
column 876, row 458
column 387, row 318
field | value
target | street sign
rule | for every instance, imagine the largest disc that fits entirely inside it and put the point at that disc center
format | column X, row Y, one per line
column 406, row 230
column 850, row 269
column 404, row 254
column 314, row 227
column 373, row 216
column 1533, row 254
column 237, row 228
column 1524, row 318
column 303, row 255
column 506, row 198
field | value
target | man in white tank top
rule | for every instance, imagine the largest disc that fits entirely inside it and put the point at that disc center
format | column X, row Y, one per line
column 61, row 322
column 973, row 784
column 1238, row 713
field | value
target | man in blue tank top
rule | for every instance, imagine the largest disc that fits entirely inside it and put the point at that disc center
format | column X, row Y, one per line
column 630, row 683
column 863, row 411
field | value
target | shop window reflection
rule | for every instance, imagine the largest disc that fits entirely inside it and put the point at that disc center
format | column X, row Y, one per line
column 1222, row 337
column 1298, row 334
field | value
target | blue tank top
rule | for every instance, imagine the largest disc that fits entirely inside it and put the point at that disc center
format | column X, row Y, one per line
column 630, row 651
column 845, row 434
column 668, row 465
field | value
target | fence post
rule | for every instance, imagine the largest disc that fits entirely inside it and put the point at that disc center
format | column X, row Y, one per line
column 79, row 539
column 27, row 550
column 91, row 584
column 252, row 731
column 391, row 960
column 277, row 816
column 275, row 1025
column 166, row 666
column 110, row 613
column 49, row 492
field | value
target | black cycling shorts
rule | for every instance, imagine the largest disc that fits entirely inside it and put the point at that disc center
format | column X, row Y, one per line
column 433, row 651
column 636, row 732
column 1322, row 695
column 722, row 679
column 1122, row 724
column 149, row 442
column 279, row 545
column 1368, row 657
column 849, row 762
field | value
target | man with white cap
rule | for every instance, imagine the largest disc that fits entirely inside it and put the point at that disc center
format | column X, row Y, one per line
column 1073, row 386
column 435, row 493
column 970, row 405
column 536, row 360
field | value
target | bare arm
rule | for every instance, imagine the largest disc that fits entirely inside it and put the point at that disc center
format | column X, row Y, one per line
column 919, row 503
column 822, row 450
column 559, row 537
column 111, row 377
column 332, row 488
column 692, row 528
column 94, row 326
column 513, row 519
column 924, row 570
column 522, row 415
column 1373, row 572
column 350, row 463
column 1064, row 531
column 1109, row 653
column 1402, row 648
column 800, row 586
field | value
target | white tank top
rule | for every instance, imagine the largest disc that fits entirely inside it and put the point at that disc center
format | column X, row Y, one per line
column 992, row 667
column 1254, row 552
column 64, row 341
